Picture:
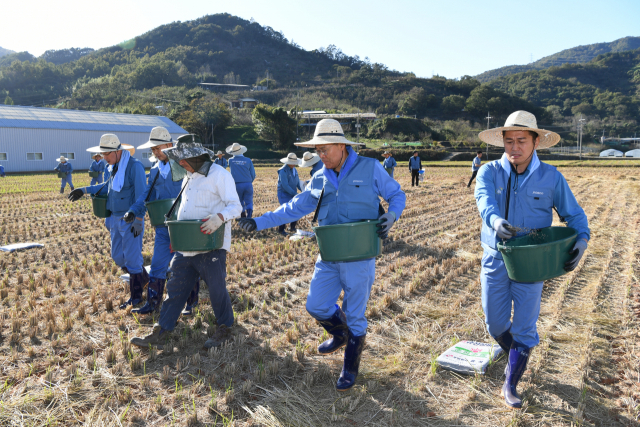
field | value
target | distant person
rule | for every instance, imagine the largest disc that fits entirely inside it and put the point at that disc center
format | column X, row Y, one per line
column 313, row 160
column 516, row 193
column 220, row 160
column 97, row 165
column 475, row 165
column 2, row 174
column 65, row 167
column 288, row 186
column 243, row 174
column 389, row 163
column 415, row 165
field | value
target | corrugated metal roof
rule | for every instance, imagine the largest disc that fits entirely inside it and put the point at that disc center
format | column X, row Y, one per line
column 53, row 118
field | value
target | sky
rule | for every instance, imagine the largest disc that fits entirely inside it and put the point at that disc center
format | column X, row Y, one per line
column 450, row 38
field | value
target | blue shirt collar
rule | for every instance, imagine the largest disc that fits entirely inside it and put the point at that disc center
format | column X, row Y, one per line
column 535, row 164
column 331, row 175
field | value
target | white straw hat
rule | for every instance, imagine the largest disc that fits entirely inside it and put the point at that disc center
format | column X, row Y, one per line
column 61, row 159
column 94, row 155
column 520, row 120
column 158, row 136
column 328, row 131
column 309, row 159
column 291, row 159
column 110, row 142
column 219, row 153
column 236, row 149
column 385, row 153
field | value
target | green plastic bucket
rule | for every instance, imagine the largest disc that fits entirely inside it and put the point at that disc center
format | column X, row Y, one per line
column 186, row 236
column 349, row 242
column 538, row 256
column 158, row 208
column 100, row 206
column 62, row 174
column 94, row 174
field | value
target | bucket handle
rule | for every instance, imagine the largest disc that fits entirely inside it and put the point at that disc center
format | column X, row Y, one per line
column 315, row 215
column 173, row 206
column 153, row 184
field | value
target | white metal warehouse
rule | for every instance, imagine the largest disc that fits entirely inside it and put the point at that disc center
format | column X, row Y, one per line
column 32, row 138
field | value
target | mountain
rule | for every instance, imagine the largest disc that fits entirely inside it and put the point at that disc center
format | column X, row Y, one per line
column 65, row 55
column 4, row 52
column 575, row 55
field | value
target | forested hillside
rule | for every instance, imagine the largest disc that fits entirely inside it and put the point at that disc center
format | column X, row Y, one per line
column 575, row 55
column 4, row 52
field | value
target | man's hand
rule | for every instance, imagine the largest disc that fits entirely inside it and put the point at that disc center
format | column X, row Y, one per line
column 211, row 223
column 576, row 255
column 248, row 224
column 387, row 221
column 129, row 217
column 136, row 228
column 503, row 228
column 76, row 194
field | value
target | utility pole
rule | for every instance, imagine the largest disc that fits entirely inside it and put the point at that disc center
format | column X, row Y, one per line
column 488, row 120
column 580, row 124
column 297, row 116
column 267, row 79
column 358, row 127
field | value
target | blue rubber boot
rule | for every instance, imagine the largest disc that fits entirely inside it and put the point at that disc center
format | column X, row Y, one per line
column 336, row 326
column 505, row 340
column 352, row 355
column 517, row 364
column 155, row 290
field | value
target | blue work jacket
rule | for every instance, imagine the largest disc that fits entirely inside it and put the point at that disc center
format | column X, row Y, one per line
column 2, row 170
column 98, row 166
column 164, row 188
column 534, row 193
column 119, row 202
column 389, row 162
column 475, row 165
column 360, row 184
column 64, row 167
column 221, row 162
column 315, row 168
column 288, row 182
column 242, row 169
column 415, row 163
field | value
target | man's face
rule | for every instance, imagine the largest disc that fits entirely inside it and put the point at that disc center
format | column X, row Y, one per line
column 113, row 157
column 98, row 158
column 157, row 152
column 415, row 154
column 331, row 154
column 519, row 146
column 479, row 155
column 219, row 156
column 186, row 165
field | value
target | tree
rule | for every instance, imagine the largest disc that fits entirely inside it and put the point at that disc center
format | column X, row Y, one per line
column 453, row 103
column 8, row 100
column 205, row 118
column 275, row 124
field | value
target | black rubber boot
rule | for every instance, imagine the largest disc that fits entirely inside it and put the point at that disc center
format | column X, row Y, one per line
column 281, row 229
column 155, row 290
column 517, row 364
column 336, row 326
column 192, row 301
column 136, row 286
column 243, row 214
column 292, row 227
column 155, row 338
column 62, row 191
column 352, row 355
column 505, row 340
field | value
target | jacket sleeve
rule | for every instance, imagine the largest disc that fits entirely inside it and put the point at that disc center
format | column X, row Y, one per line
column 485, row 196
column 139, row 208
column 301, row 205
column 284, row 182
column 568, row 207
column 57, row 168
column 70, row 167
column 389, row 189
column 139, row 178
column 252, row 170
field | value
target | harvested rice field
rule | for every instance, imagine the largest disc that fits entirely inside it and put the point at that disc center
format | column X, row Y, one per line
column 65, row 357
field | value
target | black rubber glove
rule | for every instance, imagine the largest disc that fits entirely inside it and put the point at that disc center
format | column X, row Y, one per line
column 76, row 194
column 129, row 217
column 248, row 224
column 576, row 255
column 386, row 222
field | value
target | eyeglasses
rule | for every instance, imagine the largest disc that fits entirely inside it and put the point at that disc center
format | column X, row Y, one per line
column 322, row 152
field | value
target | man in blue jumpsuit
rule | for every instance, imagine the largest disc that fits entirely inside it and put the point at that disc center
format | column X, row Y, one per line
column 65, row 167
column 516, row 194
column 97, row 165
column 347, row 189
column 220, row 160
column 475, row 166
column 313, row 160
column 243, row 174
column 123, row 189
column 415, row 165
column 288, row 185
column 2, row 174
column 389, row 163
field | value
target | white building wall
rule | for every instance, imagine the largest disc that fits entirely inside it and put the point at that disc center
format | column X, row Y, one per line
column 17, row 142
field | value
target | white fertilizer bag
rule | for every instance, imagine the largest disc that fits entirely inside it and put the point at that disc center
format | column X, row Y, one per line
column 469, row 357
column 125, row 277
column 421, row 175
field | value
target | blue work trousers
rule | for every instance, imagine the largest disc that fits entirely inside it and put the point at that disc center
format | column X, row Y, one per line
column 245, row 194
column 389, row 171
column 161, row 254
column 126, row 250
column 96, row 180
column 329, row 279
column 499, row 292
column 210, row 266
column 66, row 180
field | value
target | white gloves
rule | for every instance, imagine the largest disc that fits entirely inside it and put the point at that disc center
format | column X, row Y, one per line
column 503, row 228
column 211, row 224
